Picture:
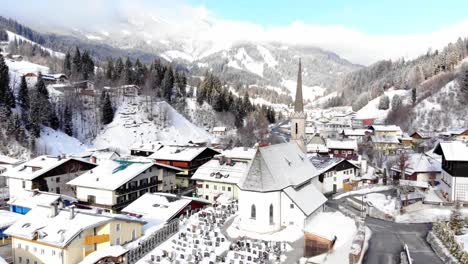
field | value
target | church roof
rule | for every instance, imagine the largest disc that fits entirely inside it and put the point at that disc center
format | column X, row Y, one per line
column 307, row 198
column 299, row 104
column 277, row 167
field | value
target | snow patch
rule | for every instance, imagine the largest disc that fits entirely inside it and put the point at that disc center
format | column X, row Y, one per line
column 371, row 110
column 54, row 142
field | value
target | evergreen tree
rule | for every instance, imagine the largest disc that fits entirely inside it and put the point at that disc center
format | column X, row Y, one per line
column 128, row 72
column 107, row 110
column 77, row 65
column 87, row 66
column 41, row 87
column 35, row 115
column 168, row 84
column 384, row 102
column 67, row 64
column 23, row 101
column 413, row 96
column 53, row 121
column 118, row 70
column 140, row 72
column 68, row 121
column 463, row 83
column 4, row 83
column 396, row 102
column 110, row 69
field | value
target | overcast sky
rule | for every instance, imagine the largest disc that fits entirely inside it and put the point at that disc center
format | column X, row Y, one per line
column 361, row 31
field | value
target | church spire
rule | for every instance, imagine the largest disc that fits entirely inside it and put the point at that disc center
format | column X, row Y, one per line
column 299, row 104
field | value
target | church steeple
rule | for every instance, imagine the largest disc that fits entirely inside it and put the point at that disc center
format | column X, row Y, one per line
column 298, row 117
column 299, row 104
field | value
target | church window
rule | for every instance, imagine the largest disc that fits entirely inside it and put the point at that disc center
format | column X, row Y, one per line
column 253, row 212
column 291, row 206
column 271, row 214
column 296, row 129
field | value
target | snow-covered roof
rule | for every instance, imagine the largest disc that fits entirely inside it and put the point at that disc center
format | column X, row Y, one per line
column 355, row 132
column 151, row 147
column 342, row 144
column 240, row 153
column 157, row 207
column 112, row 174
column 330, row 224
column 307, row 198
column 216, row 170
column 7, row 218
column 420, row 162
column 385, row 139
column 419, row 184
column 219, row 129
column 316, row 148
column 9, row 160
column 310, row 130
column 277, row 167
column 111, row 251
column 178, row 153
column 60, row 229
column 453, row 151
column 457, row 131
column 423, row 134
column 387, row 128
column 38, row 166
column 323, row 164
column 30, row 199
column 100, row 154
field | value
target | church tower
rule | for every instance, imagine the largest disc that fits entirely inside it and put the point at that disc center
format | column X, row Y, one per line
column 298, row 117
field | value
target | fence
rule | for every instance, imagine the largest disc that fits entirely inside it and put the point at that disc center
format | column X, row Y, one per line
column 151, row 242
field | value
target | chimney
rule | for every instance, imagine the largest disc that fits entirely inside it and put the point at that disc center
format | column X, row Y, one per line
column 53, row 210
column 93, row 159
column 72, row 211
column 221, row 160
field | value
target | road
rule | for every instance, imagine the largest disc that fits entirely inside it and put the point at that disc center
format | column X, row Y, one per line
column 388, row 239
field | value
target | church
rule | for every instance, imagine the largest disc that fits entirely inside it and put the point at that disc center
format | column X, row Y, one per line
column 281, row 185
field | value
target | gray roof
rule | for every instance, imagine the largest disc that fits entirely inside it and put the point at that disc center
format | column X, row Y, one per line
column 307, row 198
column 277, row 167
column 299, row 104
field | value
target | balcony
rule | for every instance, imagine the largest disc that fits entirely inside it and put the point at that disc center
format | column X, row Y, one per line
column 121, row 190
column 90, row 240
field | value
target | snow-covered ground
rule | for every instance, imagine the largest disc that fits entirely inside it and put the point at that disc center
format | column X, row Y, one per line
column 382, row 202
column 308, row 92
column 365, row 190
column 371, row 110
column 289, row 234
column 54, row 142
column 132, row 124
column 12, row 36
column 428, row 215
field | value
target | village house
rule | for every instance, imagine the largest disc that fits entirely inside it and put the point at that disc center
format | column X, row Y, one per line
column 144, row 149
column 406, row 141
column 98, row 156
column 219, row 131
column 419, row 167
column 334, row 173
column 24, row 201
column 7, row 163
column 385, row 144
column 56, row 235
column 280, row 188
column 7, row 219
column 344, row 148
column 187, row 158
column 421, row 136
column 458, row 134
column 46, row 173
column 130, row 90
column 160, row 208
column 358, row 134
column 317, row 145
column 115, row 183
column 362, row 122
column 54, row 78
column 220, row 176
column 454, row 178
column 386, row 130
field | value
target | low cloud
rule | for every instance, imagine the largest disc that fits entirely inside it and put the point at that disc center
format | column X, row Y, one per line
column 175, row 18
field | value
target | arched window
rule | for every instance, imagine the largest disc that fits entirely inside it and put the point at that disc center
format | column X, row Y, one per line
column 271, row 214
column 296, row 128
column 253, row 212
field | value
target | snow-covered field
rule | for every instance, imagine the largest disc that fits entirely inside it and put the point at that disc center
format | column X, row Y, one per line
column 371, row 110
column 12, row 36
column 54, row 142
column 132, row 124
column 428, row 215
column 308, row 92
column 382, row 202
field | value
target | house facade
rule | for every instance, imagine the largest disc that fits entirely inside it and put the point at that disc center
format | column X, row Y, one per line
column 116, row 183
column 56, row 235
column 454, row 175
column 419, row 167
column 47, row 174
column 345, row 148
column 334, row 172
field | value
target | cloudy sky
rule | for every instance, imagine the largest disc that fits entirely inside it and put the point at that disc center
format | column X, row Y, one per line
column 362, row 31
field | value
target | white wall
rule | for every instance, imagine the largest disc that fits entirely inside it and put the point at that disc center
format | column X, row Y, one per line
column 336, row 177
column 291, row 215
column 262, row 201
column 16, row 186
column 216, row 188
column 103, row 197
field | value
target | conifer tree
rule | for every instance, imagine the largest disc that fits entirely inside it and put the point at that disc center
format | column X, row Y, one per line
column 168, row 84
column 23, row 101
column 68, row 121
column 413, row 96
column 67, row 64
column 463, row 83
column 110, row 69
column 456, row 220
column 77, row 65
column 128, row 72
column 107, row 110
column 4, row 83
column 118, row 69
